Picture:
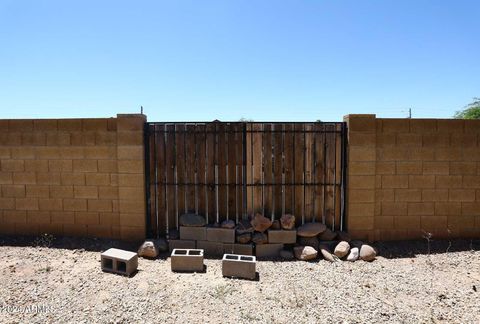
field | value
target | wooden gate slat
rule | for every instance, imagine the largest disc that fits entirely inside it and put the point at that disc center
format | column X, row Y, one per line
column 222, row 173
column 330, row 157
column 257, row 168
column 249, row 168
column 159, row 178
column 231, row 170
column 309, row 149
column 268, row 169
column 240, row 150
column 278, row 169
column 201, row 174
column 210, row 170
column 170, row 177
column 298, row 173
column 288, row 170
column 180, row 170
column 190, row 165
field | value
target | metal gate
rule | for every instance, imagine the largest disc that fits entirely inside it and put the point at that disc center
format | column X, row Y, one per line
column 230, row 170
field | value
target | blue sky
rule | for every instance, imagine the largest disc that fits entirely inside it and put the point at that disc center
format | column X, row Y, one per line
column 262, row 60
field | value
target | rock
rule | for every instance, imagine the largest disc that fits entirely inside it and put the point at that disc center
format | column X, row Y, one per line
column 260, row 223
column 228, row 224
column 353, row 255
column 367, row 253
column 192, row 220
column 327, row 235
column 148, row 250
column 327, row 253
column 311, row 229
column 244, row 226
column 244, row 238
column 305, row 253
column 259, row 238
column 275, row 225
column 343, row 236
column 173, row 234
column 287, row 221
column 341, row 249
column 286, row 254
column 309, row 241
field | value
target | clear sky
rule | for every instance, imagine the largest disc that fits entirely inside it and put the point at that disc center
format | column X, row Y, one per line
column 201, row 60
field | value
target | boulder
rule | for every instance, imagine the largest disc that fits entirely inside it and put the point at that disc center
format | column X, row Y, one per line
column 343, row 236
column 305, row 253
column 244, row 238
column 327, row 253
column 244, row 226
column 228, row 224
column 308, row 241
column 311, row 229
column 193, row 220
column 327, row 235
column 342, row 249
column 286, row 254
column 259, row 238
column 367, row 253
column 353, row 254
column 275, row 225
column 148, row 249
column 287, row 222
column 260, row 223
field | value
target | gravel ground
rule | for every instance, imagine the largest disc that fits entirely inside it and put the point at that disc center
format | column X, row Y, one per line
column 61, row 278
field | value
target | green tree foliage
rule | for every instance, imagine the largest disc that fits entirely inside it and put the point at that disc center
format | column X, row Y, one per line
column 471, row 111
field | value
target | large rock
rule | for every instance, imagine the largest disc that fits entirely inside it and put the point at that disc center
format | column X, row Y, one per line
column 191, row 220
column 311, row 229
column 244, row 238
column 327, row 253
column 309, row 241
column 367, row 253
column 343, row 236
column 353, row 254
column 151, row 248
column 259, row 238
column 327, row 235
column 275, row 225
column 228, row 224
column 286, row 254
column 342, row 249
column 260, row 223
column 244, row 226
column 287, row 221
column 305, row 253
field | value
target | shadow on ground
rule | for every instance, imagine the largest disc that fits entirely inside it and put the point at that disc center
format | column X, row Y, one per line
column 409, row 249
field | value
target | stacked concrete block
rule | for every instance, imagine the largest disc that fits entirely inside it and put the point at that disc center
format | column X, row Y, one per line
column 239, row 266
column 282, row 236
column 193, row 233
column 181, row 244
column 212, row 249
column 236, row 248
column 218, row 234
column 269, row 250
column 119, row 261
column 187, row 260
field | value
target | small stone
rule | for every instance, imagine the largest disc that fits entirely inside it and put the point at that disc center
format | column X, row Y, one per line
column 244, row 238
column 260, row 223
column 192, row 220
column 327, row 235
column 275, row 225
column 259, row 238
column 327, row 253
column 353, row 255
column 309, row 241
column 367, row 253
column 286, row 254
column 305, row 253
column 343, row 236
column 148, row 250
column 311, row 229
column 341, row 249
column 287, row 221
column 228, row 224
column 244, row 226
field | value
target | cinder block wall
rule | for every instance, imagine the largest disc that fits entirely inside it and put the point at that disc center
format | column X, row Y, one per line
column 79, row 177
column 410, row 177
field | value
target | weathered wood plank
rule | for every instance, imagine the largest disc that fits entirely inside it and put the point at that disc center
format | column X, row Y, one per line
column 210, row 214
column 278, row 169
column 180, row 170
column 222, row 172
column 231, row 147
column 289, row 170
column 201, row 173
column 249, row 168
column 257, row 168
column 160, row 179
column 299, row 147
column 268, row 172
column 309, row 164
column 170, row 178
column 190, row 165
column 319, row 172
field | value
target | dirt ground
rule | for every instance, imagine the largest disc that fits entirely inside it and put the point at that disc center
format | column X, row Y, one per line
column 59, row 280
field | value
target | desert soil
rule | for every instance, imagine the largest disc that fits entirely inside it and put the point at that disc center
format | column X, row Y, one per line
column 59, row 280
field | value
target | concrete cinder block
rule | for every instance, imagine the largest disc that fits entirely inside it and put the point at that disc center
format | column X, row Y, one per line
column 270, row 250
column 187, row 260
column 225, row 235
column 237, row 248
column 181, row 244
column 211, row 249
column 119, row 261
column 239, row 266
column 193, row 233
column 282, row 236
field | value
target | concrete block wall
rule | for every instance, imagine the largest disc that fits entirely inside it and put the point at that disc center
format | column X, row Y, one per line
column 411, row 177
column 79, row 177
